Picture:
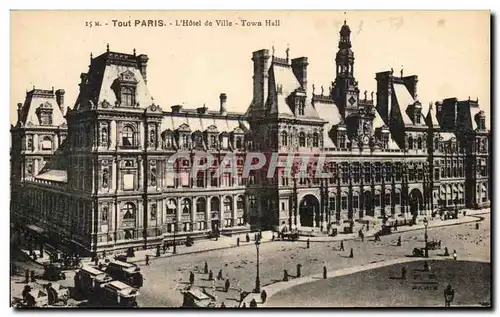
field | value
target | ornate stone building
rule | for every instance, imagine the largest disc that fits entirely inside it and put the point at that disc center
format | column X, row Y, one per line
column 107, row 187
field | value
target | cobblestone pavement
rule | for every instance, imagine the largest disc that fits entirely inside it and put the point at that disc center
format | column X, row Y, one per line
column 167, row 276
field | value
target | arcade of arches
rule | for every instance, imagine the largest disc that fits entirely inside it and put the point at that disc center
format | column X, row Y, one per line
column 312, row 212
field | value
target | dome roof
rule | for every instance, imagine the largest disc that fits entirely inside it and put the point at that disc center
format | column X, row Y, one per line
column 345, row 30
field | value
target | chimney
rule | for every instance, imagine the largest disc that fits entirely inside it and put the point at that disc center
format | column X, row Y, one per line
column 142, row 63
column 299, row 67
column 384, row 94
column 19, row 111
column 60, row 98
column 411, row 84
column 223, row 99
column 261, row 64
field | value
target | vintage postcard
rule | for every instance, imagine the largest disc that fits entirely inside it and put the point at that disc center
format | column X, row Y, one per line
column 250, row 159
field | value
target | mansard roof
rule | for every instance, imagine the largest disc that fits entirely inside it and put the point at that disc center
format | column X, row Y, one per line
column 104, row 71
column 40, row 98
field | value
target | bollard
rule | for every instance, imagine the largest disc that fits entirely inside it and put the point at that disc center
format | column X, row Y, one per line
column 308, row 243
column 477, row 225
column 158, row 251
column 446, row 253
column 205, row 269
column 299, row 266
column 210, row 276
column 238, row 241
column 324, row 272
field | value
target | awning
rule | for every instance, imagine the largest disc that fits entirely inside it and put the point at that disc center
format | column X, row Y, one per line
column 35, row 228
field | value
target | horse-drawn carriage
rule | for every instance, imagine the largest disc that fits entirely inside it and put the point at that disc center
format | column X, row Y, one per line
column 434, row 245
column 291, row 235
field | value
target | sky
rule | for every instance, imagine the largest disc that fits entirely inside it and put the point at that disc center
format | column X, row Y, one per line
column 448, row 50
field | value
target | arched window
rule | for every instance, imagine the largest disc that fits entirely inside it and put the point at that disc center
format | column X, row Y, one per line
column 355, row 201
column 228, row 203
column 128, row 138
column 215, row 204
column 240, row 203
column 315, row 139
column 284, row 138
column 171, row 207
column 410, row 142
column 302, row 139
column 419, row 143
column 128, row 98
column 201, row 205
column 46, row 143
column 186, row 206
column 129, row 211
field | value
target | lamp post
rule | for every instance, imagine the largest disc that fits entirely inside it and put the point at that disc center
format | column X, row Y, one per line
column 426, row 223
column 257, row 278
column 175, row 231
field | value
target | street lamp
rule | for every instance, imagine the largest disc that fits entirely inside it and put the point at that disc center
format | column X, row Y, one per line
column 257, row 278
column 426, row 223
column 175, row 231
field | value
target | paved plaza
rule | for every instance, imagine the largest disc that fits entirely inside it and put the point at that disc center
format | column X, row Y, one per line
column 166, row 277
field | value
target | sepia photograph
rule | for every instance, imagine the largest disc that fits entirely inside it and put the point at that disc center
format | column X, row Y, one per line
column 250, row 159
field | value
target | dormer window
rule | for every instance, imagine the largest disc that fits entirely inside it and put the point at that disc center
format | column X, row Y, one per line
column 225, row 141
column 168, row 140
column 44, row 113
column 184, row 141
column 302, row 108
column 46, row 143
column 284, row 138
column 417, row 118
column 239, row 142
column 213, row 141
column 125, row 89
column 198, row 140
column 315, row 140
column 410, row 142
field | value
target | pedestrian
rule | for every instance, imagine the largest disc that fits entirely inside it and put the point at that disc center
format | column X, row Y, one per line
column 147, row 260
column 285, row 276
column 324, row 272
column 210, row 275
column 454, row 254
column 205, row 268
column 247, row 237
column 426, row 266
column 244, row 305
column 227, row 285
column 263, row 296
column 446, row 251
column 351, row 255
column 32, row 276
column 164, row 248
column 219, row 275
column 396, row 225
column 222, row 305
column 477, row 225
column 272, row 238
column 191, row 278
column 342, row 245
column 308, row 243
column 158, row 251
column 399, row 241
column 367, row 226
column 238, row 241
column 27, row 276
column 96, row 261
column 403, row 273
column 299, row 266
column 253, row 303
column 362, row 236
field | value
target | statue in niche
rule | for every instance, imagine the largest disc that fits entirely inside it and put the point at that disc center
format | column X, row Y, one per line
column 105, row 178
column 153, row 176
column 366, row 127
column 152, row 138
column 104, row 137
column 105, row 213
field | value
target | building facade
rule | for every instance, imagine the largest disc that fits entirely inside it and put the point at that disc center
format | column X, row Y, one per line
column 97, row 177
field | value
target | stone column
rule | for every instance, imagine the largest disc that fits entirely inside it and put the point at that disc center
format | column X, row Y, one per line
column 158, row 136
column 221, row 212
column 56, row 141
column 193, row 215
column 235, row 210
column 208, row 214
column 178, row 215
column 35, row 142
column 141, row 141
column 140, row 173
column 112, row 135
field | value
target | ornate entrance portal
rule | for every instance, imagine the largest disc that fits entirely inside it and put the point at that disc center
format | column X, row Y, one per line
column 309, row 211
column 416, row 202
